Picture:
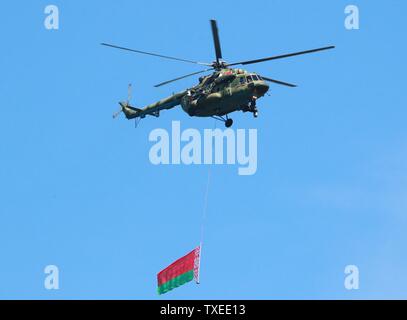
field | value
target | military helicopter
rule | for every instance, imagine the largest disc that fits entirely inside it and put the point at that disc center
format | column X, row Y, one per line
column 216, row 95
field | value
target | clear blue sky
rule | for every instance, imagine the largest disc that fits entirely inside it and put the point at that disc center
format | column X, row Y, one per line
column 77, row 189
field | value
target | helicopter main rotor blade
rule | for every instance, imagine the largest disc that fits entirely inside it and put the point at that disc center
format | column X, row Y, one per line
column 280, row 82
column 280, row 56
column 215, row 34
column 155, row 54
column 182, row 77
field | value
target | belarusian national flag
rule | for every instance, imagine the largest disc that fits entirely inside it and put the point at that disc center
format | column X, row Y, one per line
column 179, row 272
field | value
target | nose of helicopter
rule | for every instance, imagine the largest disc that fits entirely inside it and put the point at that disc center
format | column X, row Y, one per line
column 261, row 88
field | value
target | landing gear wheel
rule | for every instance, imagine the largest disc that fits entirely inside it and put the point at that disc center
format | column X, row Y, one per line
column 228, row 123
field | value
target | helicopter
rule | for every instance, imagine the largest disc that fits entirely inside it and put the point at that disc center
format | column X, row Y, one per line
column 217, row 94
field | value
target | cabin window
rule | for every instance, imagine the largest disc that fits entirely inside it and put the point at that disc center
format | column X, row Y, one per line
column 249, row 79
column 242, row 80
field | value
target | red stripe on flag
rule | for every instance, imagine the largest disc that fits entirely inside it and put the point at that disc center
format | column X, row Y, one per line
column 182, row 265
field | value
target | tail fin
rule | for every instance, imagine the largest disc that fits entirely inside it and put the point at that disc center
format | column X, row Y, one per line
column 129, row 111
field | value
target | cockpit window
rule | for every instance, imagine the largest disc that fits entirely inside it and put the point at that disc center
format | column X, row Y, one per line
column 249, row 79
column 242, row 80
column 260, row 78
column 255, row 78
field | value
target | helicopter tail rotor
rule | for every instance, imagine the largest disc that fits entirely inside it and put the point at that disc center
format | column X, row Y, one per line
column 117, row 113
column 125, row 107
column 129, row 111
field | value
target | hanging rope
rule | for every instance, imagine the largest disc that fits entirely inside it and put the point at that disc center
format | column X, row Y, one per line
column 205, row 207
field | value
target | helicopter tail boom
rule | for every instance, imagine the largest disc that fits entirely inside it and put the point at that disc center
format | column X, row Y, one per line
column 129, row 111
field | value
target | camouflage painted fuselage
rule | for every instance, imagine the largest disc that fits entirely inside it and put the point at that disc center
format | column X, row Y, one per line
column 218, row 94
column 223, row 92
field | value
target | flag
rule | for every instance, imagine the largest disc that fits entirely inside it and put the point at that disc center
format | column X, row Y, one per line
column 180, row 272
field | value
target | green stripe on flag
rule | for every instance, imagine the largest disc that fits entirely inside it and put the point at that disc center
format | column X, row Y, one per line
column 176, row 282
